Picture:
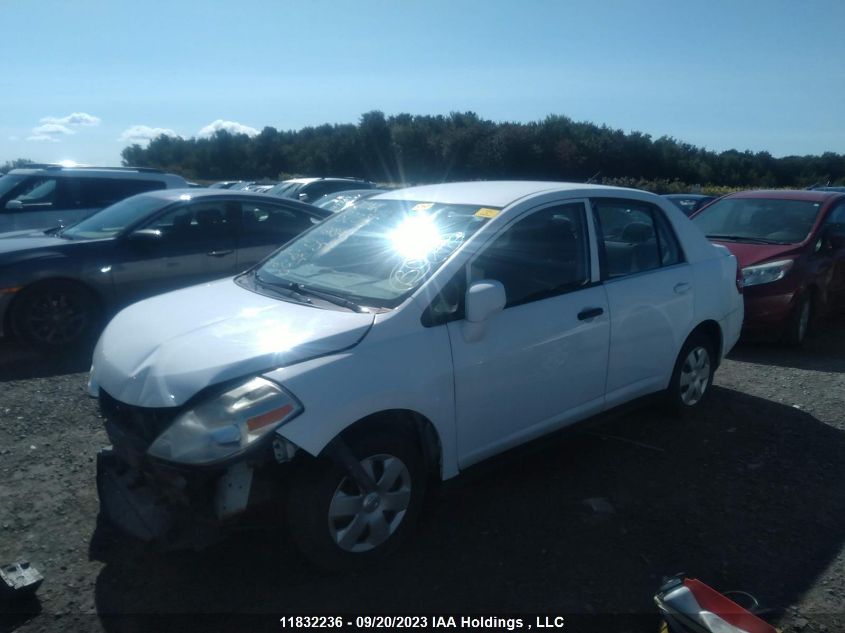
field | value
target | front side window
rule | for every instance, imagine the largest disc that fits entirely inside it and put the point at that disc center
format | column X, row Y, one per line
column 273, row 223
column 636, row 237
column 377, row 252
column 758, row 220
column 37, row 193
column 542, row 255
column 198, row 222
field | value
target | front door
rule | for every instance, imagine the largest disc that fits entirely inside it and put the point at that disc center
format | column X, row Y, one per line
column 541, row 362
column 198, row 243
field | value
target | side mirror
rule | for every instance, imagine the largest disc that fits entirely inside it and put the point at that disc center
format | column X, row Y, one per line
column 304, row 197
column 836, row 238
column 484, row 299
column 144, row 236
column 14, row 205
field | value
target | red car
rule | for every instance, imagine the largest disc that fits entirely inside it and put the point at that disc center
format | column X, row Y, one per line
column 791, row 248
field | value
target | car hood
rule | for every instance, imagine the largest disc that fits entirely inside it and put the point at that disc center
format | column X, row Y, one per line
column 13, row 242
column 750, row 254
column 162, row 351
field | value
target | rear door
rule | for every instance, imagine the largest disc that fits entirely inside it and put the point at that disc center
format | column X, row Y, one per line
column 836, row 281
column 650, row 293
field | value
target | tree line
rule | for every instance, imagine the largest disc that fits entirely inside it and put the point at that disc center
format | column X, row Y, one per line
column 412, row 149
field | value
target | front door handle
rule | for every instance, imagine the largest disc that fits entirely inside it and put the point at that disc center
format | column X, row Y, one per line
column 219, row 253
column 589, row 313
column 682, row 287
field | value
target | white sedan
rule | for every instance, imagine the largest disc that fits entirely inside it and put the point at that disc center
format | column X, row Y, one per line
column 412, row 335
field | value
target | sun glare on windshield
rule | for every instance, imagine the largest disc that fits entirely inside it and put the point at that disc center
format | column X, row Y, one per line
column 416, row 237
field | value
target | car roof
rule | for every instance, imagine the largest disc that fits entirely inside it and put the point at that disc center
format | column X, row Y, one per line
column 686, row 196
column 193, row 193
column 808, row 195
column 499, row 193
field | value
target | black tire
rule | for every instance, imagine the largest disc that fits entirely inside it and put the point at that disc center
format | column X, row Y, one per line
column 55, row 316
column 800, row 321
column 681, row 396
column 315, row 485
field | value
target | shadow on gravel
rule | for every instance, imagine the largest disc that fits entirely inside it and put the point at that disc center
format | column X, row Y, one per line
column 19, row 362
column 745, row 494
column 824, row 351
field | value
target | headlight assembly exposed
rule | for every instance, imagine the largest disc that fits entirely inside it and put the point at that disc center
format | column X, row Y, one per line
column 225, row 425
column 766, row 273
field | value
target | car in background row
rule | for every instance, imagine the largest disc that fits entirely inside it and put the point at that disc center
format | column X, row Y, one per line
column 48, row 196
column 414, row 334
column 791, row 247
column 689, row 203
column 55, row 289
column 335, row 202
column 310, row 189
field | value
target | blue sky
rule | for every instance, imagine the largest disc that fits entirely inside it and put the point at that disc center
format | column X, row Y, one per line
column 80, row 77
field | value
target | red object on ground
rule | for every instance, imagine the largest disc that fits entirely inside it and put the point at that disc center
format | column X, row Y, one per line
column 711, row 600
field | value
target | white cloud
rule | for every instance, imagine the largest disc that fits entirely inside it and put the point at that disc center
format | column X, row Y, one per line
column 42, row 137
column 75, row 118
column 144, row 133
column 233, row 127
column 49, row 132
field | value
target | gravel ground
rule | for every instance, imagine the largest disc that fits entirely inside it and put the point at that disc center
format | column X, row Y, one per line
column 745, row 494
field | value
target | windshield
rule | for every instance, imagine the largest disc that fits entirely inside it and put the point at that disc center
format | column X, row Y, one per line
column 377, row 252
column 759, row 219
column 337, row 202
column 115, row 219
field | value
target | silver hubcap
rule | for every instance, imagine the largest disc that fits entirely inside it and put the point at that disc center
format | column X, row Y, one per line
column 360, row 522
column 804, row 321
column 695, row 376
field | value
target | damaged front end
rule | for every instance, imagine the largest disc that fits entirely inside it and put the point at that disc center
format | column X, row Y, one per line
column 177, row 506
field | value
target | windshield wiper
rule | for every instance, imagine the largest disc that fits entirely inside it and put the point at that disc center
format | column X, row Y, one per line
column 744, row 238
column 301, row 291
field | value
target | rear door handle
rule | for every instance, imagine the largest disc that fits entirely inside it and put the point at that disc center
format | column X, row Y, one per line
column 219, row 253
column 682, row 287
column 589, row 313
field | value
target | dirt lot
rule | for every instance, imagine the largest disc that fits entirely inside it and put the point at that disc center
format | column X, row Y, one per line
column 747, row 494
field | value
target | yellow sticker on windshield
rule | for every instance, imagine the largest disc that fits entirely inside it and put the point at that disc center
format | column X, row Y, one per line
column 422, row 206
column 484, row 212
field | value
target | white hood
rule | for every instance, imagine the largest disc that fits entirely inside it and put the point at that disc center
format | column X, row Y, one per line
column 162, row 351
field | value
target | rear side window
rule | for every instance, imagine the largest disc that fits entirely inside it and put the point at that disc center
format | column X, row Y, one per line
column 102, row 192
column 636, row 237
column 542, row 255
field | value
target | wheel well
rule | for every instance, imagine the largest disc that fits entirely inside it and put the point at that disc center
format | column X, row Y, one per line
column 417, row 426
column 8, row 325
column 713, row 332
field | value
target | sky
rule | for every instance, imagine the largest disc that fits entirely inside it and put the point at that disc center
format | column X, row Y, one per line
column 82, row 79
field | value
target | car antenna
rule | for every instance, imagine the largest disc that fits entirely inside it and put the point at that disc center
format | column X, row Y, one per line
column 592, row 178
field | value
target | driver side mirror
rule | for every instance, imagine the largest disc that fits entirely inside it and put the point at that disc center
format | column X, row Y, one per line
column 144, row 236
column 304, row 197
column 484, row 299
column 14, row 205
column 836, row 237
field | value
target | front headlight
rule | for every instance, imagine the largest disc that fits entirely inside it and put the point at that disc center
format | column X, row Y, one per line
column 766, row 273
column 226, row 424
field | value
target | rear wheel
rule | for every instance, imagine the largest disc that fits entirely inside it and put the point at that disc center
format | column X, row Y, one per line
column 54, row 316
column 336, row 524
column 693, row 374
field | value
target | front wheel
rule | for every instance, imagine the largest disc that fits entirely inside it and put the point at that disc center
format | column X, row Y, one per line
column 336, row 524
column 54, row 316
column 798, row 324
column 693, row 374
